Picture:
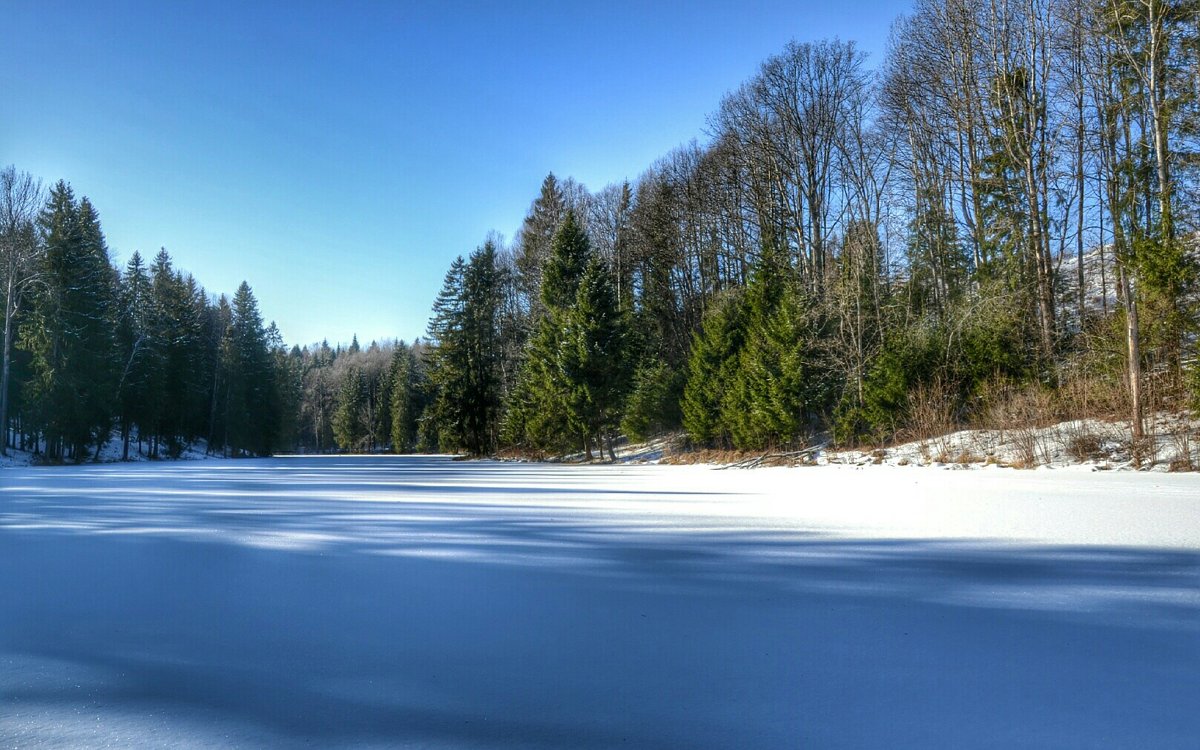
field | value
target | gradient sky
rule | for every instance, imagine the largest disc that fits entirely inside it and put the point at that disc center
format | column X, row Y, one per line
column 338, row 155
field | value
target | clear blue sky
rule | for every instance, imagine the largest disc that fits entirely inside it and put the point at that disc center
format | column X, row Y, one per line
column 338, row 155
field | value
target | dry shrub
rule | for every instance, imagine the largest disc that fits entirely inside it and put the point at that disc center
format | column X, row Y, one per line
column 1018, row 413
column 931, row 409
column 1184, row 444
column 1082, row 441
column 965, row 457
column 1008, row 407
column 1090, row 396
column 1143, row 450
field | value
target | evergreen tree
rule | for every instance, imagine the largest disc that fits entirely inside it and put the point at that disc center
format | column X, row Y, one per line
column 70, row 331
column 712, row 365
column 596, row 357
column 466, row 366
column 653, row 406
column 539, row 412
column 407, row 402
column 536, row 239
column 448, row 358
column 348, row 426
column 251, row 405
column 138, row 354
column 482, row 290
column 781, row 385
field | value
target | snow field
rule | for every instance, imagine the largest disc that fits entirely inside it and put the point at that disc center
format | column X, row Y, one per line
column 424, row 602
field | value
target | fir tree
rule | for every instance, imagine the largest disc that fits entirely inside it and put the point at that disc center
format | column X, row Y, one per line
column 251, row 406
column 539, row 412
column 595, row 357
column 407, row 402
column 348, row 426
column 70, row 331
column 711, row 367
column 138, row 348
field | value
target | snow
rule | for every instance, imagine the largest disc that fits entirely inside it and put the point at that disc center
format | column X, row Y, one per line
column 1172, row 443
column 425, row 602
column 113, row 450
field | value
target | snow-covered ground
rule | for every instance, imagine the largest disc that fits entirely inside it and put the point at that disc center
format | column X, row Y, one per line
column 112, row 451
column 424, row 602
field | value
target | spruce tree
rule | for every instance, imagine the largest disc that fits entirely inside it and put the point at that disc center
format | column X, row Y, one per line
column 250, row 407
column 539, row 412
column 448, row 358
column 596, row 357
column 70, row 331
column 465, row 362
column 406, row 398
column 138, row 349
column 536, row 240
column 712, row 364
column 348, row 426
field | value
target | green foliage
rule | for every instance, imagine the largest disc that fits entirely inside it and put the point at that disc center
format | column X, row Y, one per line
column 711, row 368
column 596, row 355
column 252, row 401
column 653, row 406
column 781, row 384
column 348, row 426
column 543, row 412
column 778, row 390
column 570, row 253
column 70, row 330
column 464, row 371
column 408, row 402
column 909, row 357
column 976, row 343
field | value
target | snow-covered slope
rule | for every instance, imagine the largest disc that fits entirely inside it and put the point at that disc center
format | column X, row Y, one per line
column 424, row 602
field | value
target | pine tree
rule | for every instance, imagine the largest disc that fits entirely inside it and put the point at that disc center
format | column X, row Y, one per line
column 348, row 426
column 570, row 253
column 138, row 353
column 654, row 401
column 711, row 367
column 251, row 408
column 539, row 412
column 482, row 290
column 595, row 357
column 465, row 362
column 70, row 332
column 448, row 358
column 536, row 239
column 407, row 402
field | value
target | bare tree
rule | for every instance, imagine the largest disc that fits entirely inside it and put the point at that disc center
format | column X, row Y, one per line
column 21, row 199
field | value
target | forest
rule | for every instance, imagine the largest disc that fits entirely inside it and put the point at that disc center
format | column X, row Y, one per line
column 994, row 223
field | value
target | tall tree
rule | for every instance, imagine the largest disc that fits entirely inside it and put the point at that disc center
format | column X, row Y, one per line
column 69, row 332
column 597, row 358
column 20, row 201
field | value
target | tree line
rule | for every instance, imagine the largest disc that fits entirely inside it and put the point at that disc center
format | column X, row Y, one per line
column 1006, row 204
column 144, row 351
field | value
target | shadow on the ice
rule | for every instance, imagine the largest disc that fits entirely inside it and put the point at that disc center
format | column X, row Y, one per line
column 530, row 624
column 467, row 651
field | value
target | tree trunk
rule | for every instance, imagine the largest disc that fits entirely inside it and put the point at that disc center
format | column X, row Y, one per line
column 1133, row 349
column 7, row 356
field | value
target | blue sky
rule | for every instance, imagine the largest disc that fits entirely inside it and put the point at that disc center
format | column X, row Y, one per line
column 338, row 155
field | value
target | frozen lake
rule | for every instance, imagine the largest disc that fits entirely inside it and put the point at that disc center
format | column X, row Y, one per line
column 420, row 602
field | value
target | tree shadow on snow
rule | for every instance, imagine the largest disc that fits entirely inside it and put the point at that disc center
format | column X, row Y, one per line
column 489, row 609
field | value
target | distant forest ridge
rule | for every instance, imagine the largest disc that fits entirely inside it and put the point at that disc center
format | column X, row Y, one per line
column 994, row 226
